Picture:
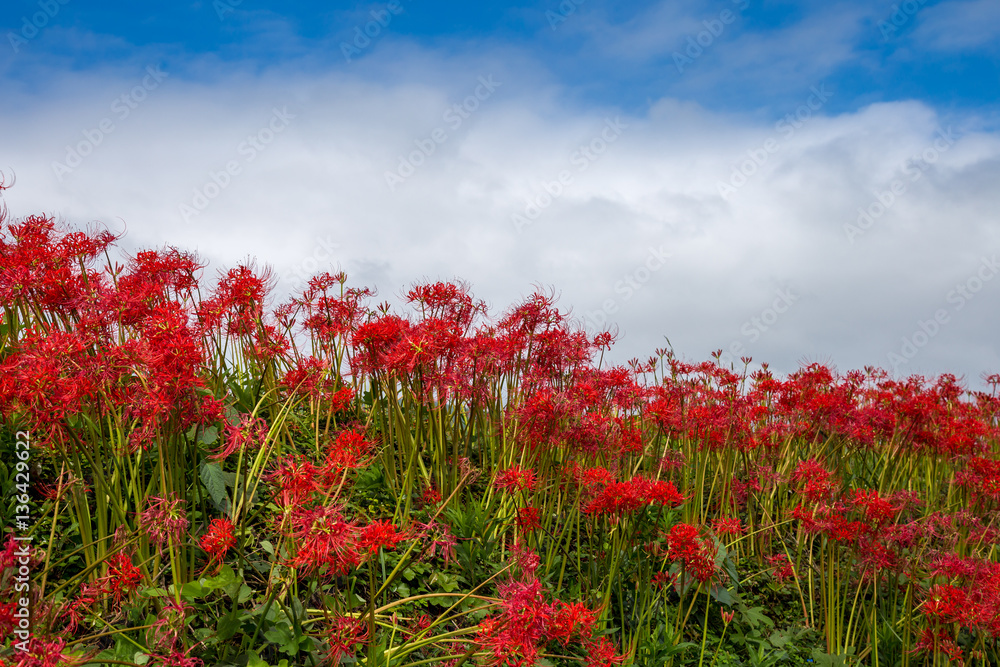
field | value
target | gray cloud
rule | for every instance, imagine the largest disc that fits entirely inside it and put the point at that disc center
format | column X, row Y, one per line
column 320, row 182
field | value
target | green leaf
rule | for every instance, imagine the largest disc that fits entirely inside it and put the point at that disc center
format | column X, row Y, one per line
column 282, row 635
column 254, row 660
column 244, row 594
column 222, row 580
column 154, row 592
column 755, row 616
column 208, row 436
column 193, row 590
column 228, row 625
column 721, row 595
column 215, row 482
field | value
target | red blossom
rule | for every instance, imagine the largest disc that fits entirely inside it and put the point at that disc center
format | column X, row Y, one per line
column 164, row 518
column 344, row 633
column 218, row 539
column 515, row 478
column 378, row 535
column 696, row 555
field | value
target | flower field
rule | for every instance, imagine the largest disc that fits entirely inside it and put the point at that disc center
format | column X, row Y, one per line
column 195, row 475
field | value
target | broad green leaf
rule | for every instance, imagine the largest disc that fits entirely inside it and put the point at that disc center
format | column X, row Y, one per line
column 215, row 482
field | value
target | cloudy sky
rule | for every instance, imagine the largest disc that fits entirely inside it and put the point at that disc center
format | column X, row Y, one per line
column 791, row 181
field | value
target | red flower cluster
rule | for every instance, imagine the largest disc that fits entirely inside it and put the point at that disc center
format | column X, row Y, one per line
column 526, row 622
column 163, row 519
column 328, row 545
column 344, row 634
column 515, row 478
column 695, row 554
column 218, row 539
column 619, row 498
column 378, row 535
column 123, row 577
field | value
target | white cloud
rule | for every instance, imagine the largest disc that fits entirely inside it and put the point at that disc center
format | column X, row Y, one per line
column 654, row 189
column 959, row 25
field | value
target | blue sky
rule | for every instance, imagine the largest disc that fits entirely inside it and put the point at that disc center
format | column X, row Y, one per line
column 791, row 181
column 942, row 53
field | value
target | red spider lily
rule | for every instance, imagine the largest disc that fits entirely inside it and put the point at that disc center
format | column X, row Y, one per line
column 876, row 558
column 297, row 479
column 430, row 496
column 308, row 377
column 75, row 609
column 378, row 535
column 663, row 580
column 45, row 653
column 839, row 529
column 878, row 510
column 571, row 621
column 591, row 478
column 344, row 634
column 376, row 341
column 528, row 519
column 975, row 601
column 602, row 653
column 981, row 477
column 169, row 628
column 815, row 482
column 218, row 539
column 8, row 622
column 514, row 638
column 438, row 536
column 946, row 604
column 164, row 519
column 325, row 544
column 250, row 432
column 237, row 303
column 935, row 641
column 696, row 555
column 177, row 659
column 446, row 301
column 123, row 576
column 515, row 478
column 525, row 560
column 341, row 399
column 830, row 521
column 781, row 568
column 619, row 498
column 347, row 451
column 728, row 526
